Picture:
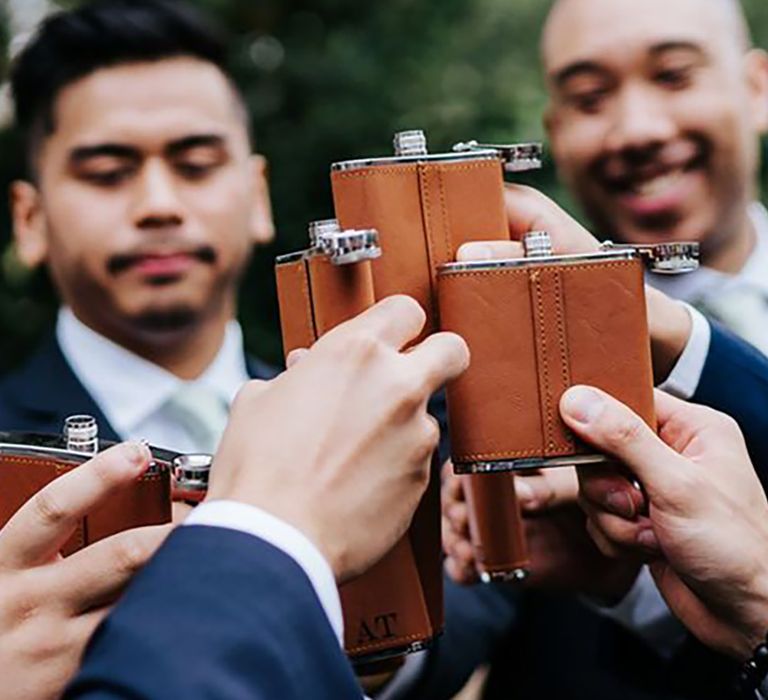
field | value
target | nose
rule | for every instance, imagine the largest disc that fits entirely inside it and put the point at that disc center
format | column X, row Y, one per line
column 157, row 204
column 642, row 121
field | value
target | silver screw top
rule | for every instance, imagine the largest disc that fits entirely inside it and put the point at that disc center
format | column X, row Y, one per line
column 410, row 143
column 320, row 228
column 191, row 471
column 81, row 433
column 537, row 244
column 350, row 246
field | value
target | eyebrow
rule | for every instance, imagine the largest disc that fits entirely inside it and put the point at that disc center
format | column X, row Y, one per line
column 195, row 141
column 578, row 68
column 677, row 45
column 81, row 154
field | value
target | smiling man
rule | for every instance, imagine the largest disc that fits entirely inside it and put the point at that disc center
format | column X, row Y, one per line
column 144, row 201
column 655, row 117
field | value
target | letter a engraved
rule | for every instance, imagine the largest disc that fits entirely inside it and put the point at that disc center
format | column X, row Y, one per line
column 383, row 626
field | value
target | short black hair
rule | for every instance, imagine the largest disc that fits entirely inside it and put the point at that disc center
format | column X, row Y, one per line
column 72, row 44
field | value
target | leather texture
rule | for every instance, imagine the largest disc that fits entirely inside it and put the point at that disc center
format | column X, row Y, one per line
column 533, row 331
column 423, row 213
column 495, row 527
column 398, row 602
column 147, row 502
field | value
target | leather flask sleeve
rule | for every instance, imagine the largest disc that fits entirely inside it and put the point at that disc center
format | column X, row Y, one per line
column 297, row 323
column 495, row 524
column 423, row 213
column 147, row 502
column 385, row 608
column 534, row 330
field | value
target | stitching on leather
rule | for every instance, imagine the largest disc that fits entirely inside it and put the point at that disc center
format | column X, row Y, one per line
column 306, row 294
column 390, row 641
column 373, row 170
column 444, row 209
column 544, row 391
column 563, row 341
column 58, row 467
column 426, row 217
column 524, row 270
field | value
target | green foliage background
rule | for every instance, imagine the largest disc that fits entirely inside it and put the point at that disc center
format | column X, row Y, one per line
column 328, row 80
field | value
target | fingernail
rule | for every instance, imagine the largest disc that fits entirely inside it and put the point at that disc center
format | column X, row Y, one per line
column 138, row 453
column 524, row 491
column 620, row 503
column 474, row 251
column 582, row 404
column 647, row 539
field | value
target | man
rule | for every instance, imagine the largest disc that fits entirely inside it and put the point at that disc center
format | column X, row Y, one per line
column 252, row 573
column 144, row 201
column 654, row 120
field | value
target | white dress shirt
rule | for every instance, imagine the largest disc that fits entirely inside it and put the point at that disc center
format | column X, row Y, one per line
column 133, row 394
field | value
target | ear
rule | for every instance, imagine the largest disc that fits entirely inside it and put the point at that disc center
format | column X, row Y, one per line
column 29, row 227
column 756, row 67
column 262, row 226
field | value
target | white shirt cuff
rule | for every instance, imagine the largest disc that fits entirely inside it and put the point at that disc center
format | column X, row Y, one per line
column 257, row 522
column 684, row 379
column 644, row 612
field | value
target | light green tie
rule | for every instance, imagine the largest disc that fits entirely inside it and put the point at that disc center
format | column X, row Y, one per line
column 202, row 412
column 743, row 310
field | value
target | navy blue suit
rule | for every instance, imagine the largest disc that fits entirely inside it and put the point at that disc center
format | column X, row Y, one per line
column 216, row 614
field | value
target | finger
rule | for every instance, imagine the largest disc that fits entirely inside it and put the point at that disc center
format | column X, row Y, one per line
column 623, row 534
column 453, row 484
column 541, row 491
column 45, row 522
column 396, row 321
column 606, row 547
column 96, row 575
column 607, row 488
column 530, row 210
column 457, row 514
column 489, row 250
column 439, row 359
column 83, row 627
column 617, row 431
column 295, row 356
column 461, row 574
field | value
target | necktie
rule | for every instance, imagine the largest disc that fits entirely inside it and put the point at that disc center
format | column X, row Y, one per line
column 744, row 310
column 201, row 412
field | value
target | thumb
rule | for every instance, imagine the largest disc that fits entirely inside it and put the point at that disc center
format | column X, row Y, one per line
column 616, row 430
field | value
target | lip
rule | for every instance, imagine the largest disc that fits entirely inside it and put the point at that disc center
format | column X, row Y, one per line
column 164, row 264
column 668, row 200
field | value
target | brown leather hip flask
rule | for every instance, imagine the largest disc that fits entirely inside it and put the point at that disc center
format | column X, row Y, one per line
column 395, row 607
column 536, row 326
column 30, row 461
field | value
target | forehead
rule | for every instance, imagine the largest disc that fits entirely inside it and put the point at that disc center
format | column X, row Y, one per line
column 147, row 103
column 580, row 30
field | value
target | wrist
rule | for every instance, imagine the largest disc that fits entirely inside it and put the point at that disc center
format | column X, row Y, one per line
column 670, row 328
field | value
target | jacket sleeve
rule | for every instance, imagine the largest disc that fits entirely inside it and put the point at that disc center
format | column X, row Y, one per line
column 735, row 381
column 216, row 613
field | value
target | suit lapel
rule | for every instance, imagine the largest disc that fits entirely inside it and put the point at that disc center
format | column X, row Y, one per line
column 45, row 391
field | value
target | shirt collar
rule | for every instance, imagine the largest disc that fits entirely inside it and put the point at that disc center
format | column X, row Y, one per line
column 695, row 286
column 129, row 388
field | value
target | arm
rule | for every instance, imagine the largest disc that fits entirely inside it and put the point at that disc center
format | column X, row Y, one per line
column 342, row 433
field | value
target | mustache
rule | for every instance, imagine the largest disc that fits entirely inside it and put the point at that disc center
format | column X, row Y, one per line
column 122, row 261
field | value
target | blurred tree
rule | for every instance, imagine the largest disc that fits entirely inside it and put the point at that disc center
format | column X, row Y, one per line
column 328, row 80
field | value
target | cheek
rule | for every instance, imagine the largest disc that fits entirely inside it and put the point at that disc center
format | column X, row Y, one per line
column 576, row 143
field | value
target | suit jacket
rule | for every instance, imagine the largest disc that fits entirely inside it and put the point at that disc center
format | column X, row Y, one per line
column 216, row 614
column 40, row 394
column 547, row 646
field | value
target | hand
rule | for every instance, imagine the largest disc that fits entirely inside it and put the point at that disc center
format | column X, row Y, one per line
column 50, row 606
column 706, row 528
column 563, row 557
column 340, row 444
column 529, row 210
